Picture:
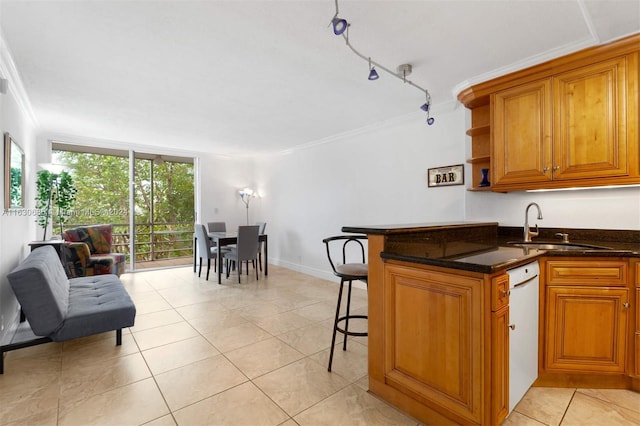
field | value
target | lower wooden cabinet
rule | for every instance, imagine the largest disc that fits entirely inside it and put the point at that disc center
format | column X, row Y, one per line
column 636, row 351
column 443, row 345
column 586, row 329
column 433, row 338
column 586, row 316
column 500, row 364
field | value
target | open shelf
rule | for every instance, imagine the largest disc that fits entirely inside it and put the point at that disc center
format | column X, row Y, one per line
column 480, row 133
column 482, row 159
column 480, row 130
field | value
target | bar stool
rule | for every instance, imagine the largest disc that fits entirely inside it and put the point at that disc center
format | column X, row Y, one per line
column 348, row 272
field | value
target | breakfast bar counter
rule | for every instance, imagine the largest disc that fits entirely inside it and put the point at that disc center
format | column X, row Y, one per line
column 439, row 314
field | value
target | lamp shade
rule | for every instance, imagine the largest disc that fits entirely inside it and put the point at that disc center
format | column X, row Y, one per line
column 373, row 74
column 425, row 107
column 339, row 25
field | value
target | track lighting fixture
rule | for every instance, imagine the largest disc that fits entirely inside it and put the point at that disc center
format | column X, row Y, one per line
column 426, row 107
column 373, row 74
column 341, row 27
column 339, row 24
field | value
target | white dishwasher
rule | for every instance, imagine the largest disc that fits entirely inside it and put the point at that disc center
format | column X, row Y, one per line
column 523, row 336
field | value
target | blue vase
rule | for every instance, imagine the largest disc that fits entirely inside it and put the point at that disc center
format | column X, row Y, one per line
column 485, row 178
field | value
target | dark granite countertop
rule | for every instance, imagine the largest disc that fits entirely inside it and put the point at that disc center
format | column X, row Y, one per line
column 485, row 248
column 409, row 228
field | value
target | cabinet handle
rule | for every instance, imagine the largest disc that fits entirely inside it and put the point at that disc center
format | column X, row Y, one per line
column 555, row 168
column 545, row 170
column 626, row 304
column 506, row 293
column 512, row 326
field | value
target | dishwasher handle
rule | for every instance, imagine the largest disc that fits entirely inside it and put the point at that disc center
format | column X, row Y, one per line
column 525, row 281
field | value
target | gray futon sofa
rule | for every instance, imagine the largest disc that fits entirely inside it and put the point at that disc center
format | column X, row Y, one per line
column 59, row 309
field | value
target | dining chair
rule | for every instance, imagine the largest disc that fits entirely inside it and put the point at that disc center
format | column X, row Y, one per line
column 205, row 248
column 262, row 226
column 246, row 249
column 217, row 226
column 352, row 268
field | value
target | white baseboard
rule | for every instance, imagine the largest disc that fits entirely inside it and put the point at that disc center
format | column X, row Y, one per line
column 314, row 272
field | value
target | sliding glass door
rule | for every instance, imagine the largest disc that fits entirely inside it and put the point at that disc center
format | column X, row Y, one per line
column 158, row 230
column 164, row 211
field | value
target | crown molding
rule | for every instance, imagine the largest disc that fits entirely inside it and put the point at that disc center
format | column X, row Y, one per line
column 443, row 107
column 526, row 63
column 16, row 88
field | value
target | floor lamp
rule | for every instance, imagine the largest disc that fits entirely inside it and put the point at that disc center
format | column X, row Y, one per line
column 246, row 195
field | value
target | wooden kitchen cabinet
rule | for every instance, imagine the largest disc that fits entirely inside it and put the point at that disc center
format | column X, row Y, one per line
column 438, row 337
column 590, row 121
column 500, row 348
column 424, row 310
column 586, row 329
column 588, row 139
column 569, row 122
column 522, row 135
column 636, row 335
column 586, row 316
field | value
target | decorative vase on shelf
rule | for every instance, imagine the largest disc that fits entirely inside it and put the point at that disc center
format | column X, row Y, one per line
column 485, row 178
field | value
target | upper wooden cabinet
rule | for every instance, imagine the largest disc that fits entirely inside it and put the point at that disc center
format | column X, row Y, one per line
column 569, row 122
column 521, row 126
column 590, row 120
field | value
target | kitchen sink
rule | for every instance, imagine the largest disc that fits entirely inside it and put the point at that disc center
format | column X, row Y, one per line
column 539, row 245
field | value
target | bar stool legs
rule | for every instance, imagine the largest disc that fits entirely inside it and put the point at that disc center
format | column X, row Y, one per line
column 338, row 319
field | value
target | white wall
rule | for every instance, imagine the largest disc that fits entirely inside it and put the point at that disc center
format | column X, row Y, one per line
column 587, row 209
column 220, row 179
column 17, row 228
column 368, row 177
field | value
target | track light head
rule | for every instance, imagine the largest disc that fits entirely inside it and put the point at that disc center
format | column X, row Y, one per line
column 339, row 25
column 373, row 74
column 426, row 107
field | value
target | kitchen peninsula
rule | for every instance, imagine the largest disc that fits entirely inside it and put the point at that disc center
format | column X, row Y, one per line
column 439, row 317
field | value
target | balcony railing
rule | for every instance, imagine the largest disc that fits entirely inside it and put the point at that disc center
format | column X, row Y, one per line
column 153, row 241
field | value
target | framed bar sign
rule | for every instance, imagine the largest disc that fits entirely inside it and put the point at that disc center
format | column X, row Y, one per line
column 446, row 176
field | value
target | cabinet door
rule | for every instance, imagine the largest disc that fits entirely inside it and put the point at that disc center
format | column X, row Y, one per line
column 521, row 135
column 499, row 365
column 636, row 349
column 433, row 339
column 590, row 129
column 586, row 329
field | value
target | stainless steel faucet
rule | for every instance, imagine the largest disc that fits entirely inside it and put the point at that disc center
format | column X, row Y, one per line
column 528, row 233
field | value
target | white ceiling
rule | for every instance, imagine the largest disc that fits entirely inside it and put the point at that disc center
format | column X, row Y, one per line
column 238, row 77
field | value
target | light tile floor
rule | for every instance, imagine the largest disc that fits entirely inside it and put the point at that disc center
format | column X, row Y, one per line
column 249, row 354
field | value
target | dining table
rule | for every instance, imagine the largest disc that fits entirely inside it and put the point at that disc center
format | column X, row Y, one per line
column 222, row 239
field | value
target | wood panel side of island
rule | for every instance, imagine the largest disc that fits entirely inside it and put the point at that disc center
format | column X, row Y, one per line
column 376, row 343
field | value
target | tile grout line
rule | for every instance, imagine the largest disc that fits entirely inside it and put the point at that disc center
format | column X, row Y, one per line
column 568, row 406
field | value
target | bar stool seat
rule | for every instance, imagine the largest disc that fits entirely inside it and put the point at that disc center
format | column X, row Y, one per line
column 348, row 272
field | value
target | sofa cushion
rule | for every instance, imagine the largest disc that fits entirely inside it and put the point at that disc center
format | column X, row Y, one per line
column 97, row 304
column 42, row 289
